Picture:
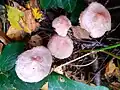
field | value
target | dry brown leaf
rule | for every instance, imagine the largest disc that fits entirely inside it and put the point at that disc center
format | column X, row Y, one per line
column 4, row 38
column 29, row 20
column 15, row 34
column 115, row 86
column 35, row 40
column 45, row 86
column 1, row 47
column 111, row 67
column 18, row 6
column 80, row 33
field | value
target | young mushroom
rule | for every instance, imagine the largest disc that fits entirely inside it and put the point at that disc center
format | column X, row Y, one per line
column 34, row 65
column 95, row 19
column 60, row 47
column 61, row 25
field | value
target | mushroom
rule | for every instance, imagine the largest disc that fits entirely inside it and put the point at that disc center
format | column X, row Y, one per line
column 61, row 25
column 95, row 19
column 34, row 65
column 60, row 47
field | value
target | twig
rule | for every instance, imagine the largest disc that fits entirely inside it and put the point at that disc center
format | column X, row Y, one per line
column 115, row 56
column 76, row 59
column 115, row 28
column 86, row 64
column 106, row 2
column 95, row 68
column 116, row 7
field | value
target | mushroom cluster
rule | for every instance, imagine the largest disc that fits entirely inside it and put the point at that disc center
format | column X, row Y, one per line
column 95, row 19
column 60, row 45
column 34, row 65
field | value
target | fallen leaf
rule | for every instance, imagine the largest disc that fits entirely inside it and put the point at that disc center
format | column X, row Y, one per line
column 14, row 16
column 16, row 5
column 45, row 86
column 35, row 40
column 24, row 26
column 111, row 67
column 80, row 33
column 29, row 20
column 15, row 34
column 3, row 38
column 115, row 85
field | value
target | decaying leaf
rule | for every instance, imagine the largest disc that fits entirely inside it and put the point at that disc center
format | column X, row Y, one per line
column 80, row 33
column 29, row 20
column 15, row 34
column 14, row 16
column 111, row 67
column 35, row 40
column 115, row 86
column 4, row 38
column 16, row 5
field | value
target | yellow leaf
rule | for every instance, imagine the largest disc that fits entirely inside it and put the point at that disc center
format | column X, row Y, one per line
column 36, row 13
column 14, row 16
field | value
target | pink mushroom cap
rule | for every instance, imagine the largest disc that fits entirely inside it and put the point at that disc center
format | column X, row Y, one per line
column 34, row 65
column 95, row 19
column 60, row 47
column 61, row 25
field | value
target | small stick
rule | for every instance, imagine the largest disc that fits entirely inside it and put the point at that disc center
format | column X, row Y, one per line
column 85, row 64
column 76, row 59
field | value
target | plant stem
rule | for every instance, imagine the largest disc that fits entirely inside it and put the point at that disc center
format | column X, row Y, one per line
column 115, row 56
column 107, row 48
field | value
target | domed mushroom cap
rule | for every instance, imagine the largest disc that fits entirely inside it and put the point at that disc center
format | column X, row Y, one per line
column 34, row 65
column 61, row 25
column 95, row 19
column 60, row 47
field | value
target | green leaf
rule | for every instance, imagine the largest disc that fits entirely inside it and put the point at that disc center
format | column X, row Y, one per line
column 76, row 12
column 14, row 16
column 9, row 55
column 59, row 3
column 45, row 3
column 5, row 83
column 20, row 85
column 69, row 5
column 60, row 82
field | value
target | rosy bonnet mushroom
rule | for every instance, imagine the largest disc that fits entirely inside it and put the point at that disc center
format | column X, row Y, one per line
column 61, row 25
column 34, row 65
column 60, row 47
column 95, row 19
